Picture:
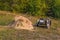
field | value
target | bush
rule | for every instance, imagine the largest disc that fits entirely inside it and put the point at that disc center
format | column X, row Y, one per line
column 57, row 9
column 33, row 7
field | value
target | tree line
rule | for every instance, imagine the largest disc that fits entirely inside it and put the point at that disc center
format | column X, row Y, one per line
column 33, row 7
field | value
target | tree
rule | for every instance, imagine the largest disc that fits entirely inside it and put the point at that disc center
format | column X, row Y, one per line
column 50, row 7
column 57, row 9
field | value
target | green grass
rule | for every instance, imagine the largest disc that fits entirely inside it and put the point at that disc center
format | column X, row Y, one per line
column 5, row 19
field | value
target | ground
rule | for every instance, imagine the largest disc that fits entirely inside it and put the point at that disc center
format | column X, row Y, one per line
column 7, row 33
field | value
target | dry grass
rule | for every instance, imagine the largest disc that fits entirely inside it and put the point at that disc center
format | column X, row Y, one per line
column 5, row 18
column 53, row 33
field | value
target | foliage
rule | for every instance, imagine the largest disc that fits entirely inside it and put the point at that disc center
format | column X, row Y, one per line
column 57, row 9
column 33, row 7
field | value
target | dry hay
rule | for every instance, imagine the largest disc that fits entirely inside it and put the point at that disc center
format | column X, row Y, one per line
column 21, row 22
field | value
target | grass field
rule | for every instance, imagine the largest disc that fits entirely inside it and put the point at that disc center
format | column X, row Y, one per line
column 5, row 19
column 7, row 33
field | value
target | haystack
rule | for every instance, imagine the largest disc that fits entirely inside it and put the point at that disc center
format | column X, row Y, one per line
column 23, row 23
